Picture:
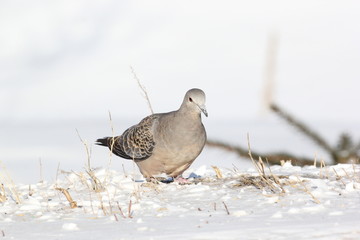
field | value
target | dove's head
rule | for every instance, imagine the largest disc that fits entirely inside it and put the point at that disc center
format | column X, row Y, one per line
column 195, row 100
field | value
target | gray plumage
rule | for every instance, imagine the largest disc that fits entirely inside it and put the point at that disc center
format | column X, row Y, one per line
column 164, row 142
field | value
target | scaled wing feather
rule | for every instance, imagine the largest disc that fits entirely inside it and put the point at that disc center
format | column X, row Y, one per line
column 136, row 142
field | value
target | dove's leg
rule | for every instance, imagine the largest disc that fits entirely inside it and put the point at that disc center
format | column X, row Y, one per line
column 182, row 181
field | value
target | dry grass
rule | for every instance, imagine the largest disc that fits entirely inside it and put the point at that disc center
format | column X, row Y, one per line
column 87, row 149
column 217, row 172
column 3, row 197
column 143, row 89
column 66, row 193
column 270, row 181
column 267, row 181
column 258, row 181
column 8, row 183
column 307, row 190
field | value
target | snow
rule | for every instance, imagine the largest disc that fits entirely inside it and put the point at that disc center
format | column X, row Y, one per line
column 305, row 203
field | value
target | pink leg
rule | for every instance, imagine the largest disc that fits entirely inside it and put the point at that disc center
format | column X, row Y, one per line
column 181, row 180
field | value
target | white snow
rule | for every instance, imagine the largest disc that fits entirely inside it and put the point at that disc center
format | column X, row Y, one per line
column 312, row 205
column 70, row 226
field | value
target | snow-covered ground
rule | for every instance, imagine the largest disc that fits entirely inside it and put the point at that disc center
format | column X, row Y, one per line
column 64, row 65
column 315, row 203
column 299, row 203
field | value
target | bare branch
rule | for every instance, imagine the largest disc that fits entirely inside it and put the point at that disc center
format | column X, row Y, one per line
column 305, row 130
column 273, row 158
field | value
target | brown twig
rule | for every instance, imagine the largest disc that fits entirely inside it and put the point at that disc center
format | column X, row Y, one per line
column 121, row 211
column 129, row 209
column 226, row 208
column 31, row 192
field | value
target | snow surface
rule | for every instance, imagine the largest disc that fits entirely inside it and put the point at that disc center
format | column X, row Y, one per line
column 304, row 203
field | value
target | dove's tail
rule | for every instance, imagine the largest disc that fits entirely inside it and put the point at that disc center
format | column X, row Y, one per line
column 102, row 141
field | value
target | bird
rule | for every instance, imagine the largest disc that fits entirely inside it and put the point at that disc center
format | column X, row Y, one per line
column 164, row 143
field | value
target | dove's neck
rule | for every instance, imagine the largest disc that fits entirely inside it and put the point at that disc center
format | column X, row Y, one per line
column 189, row 114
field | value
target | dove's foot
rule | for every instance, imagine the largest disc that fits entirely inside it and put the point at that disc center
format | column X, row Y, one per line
column 180, row 180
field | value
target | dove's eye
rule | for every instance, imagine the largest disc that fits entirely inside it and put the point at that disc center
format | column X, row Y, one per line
column 190, row 99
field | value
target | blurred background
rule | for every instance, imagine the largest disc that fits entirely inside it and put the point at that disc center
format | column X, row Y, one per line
column 65, row 64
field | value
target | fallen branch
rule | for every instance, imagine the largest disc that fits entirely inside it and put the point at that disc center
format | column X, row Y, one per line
column 305, row 130
column 273, row 158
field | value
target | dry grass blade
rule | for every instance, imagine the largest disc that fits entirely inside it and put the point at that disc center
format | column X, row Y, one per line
column 73, row 203
column 9, row 183
column 113, row 136
column 250, row 155
column 217, row 172
column 96, row 183
column 121, row 211
column 226, row 208
column 355, row 173
column 307, row 191
column 338, row 177
column 142, row 89
column 276, row 180
column 2, row 194
column 41, row 171
column 260, row 167
column 129, row 209
column 88, row 150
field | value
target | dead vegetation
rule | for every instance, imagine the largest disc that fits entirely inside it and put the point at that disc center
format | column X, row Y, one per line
column 66, row 193
column 345, row 151
column 6, row 182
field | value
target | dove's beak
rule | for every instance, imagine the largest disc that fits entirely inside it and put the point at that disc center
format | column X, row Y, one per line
column 203, row 109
